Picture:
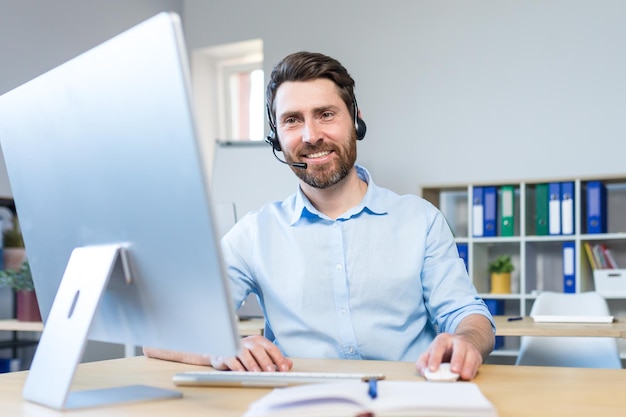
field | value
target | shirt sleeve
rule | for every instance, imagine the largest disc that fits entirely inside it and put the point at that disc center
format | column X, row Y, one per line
column 449, row 294
column 234, row 245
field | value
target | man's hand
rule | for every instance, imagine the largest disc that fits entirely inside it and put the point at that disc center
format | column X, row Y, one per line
column 257, row 354
column 465, row 350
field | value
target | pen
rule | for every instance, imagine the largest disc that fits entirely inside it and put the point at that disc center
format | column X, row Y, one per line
column 514, row 318
column 373, row 387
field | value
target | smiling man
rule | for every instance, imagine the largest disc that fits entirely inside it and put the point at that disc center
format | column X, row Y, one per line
column 344, row 268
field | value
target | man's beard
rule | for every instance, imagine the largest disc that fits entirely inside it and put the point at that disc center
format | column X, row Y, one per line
column 328, row 175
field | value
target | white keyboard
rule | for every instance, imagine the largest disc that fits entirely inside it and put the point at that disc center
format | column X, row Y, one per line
column 265, row 379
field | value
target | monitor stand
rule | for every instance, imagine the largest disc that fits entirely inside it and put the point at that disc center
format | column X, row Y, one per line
column 63, row 341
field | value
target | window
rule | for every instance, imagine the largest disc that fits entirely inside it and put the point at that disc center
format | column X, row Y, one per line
column 244, row 102
column 229, row 91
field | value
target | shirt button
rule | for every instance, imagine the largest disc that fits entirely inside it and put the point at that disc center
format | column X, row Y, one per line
column 351, row 349
column 339, row 267
column 344, row 311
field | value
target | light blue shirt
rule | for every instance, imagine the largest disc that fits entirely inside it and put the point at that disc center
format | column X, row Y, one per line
column 376, row 283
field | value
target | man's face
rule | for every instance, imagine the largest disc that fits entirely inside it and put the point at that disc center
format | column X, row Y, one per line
column 315, row 126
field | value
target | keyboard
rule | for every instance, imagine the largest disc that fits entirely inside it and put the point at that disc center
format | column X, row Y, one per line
column 266, row 379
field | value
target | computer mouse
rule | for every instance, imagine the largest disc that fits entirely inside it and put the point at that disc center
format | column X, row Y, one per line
column 443, row 374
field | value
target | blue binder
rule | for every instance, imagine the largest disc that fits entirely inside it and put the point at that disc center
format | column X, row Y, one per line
column 596, row 207
column 569, row 267
column 554, row 208
column 477, row 212
column 491, row 211
column 567, row 208
column 463, row 254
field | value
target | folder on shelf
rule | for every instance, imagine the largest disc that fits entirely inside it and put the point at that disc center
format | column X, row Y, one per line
column 602, row 256
column 569, row 267
column 598, row 256
column 590, row 256
column 554, row 208
column 507, row 203
column 490, row 200
column 596, row 207
column 567, row 208
column 541, row 209
column 477, row 211
column 463, row 254
column 608, row 256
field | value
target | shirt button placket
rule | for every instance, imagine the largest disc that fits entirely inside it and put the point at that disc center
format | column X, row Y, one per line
column 342, row 296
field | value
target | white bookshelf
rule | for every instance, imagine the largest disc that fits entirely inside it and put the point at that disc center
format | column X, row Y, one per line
column 538, row 260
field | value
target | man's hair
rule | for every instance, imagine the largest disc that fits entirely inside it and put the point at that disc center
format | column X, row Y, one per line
column 308, row 66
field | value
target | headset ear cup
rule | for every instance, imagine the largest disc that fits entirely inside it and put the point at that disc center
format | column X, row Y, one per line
column 361, row 128
column 273, row 140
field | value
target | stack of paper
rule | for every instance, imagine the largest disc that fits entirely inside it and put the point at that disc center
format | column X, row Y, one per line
column 395, row 398
column 572, row 319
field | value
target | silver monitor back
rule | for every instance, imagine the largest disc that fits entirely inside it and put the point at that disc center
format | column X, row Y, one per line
column 102, row 150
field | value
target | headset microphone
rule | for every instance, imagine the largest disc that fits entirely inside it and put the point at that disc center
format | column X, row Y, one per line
column 301, row 165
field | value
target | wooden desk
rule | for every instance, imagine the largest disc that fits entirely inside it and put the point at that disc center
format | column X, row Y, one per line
column 17, row 342
column 21, row 326
column 514, row 390
column 251, row 327
column 527, row 327
column 247, row 327
column 524, row 327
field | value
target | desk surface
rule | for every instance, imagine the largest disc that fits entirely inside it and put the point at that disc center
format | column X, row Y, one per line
column 26, row 326
column 527, row 327
column 524, row 327
column 514, row 390
column 247, row 327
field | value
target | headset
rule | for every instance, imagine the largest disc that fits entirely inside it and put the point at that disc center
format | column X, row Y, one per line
column 272, row 137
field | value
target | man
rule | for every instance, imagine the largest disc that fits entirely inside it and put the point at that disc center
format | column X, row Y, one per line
column 343, row 268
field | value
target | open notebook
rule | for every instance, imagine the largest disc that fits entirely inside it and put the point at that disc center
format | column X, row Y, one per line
column 395, row 398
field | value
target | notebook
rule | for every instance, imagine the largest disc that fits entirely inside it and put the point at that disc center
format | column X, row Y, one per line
column 395, row 398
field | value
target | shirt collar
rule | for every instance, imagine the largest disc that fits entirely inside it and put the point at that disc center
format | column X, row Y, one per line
column 371, row 203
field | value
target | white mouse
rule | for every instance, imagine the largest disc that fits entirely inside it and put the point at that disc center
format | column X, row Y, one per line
column 443, row 374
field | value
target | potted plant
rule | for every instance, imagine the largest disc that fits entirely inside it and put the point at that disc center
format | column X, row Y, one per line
column 500, row 270
column 21, row 281
column 13, row 253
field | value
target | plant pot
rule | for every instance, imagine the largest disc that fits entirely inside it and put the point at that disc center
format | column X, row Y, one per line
column 13, row 258
column 500, row 282
column 27, row 306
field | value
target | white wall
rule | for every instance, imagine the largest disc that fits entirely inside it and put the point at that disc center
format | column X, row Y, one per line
column 452, row 91
column 36, row 36
column 458, row 90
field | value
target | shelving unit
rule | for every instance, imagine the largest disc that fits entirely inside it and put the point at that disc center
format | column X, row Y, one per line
column 538, row 259
column 18, row 340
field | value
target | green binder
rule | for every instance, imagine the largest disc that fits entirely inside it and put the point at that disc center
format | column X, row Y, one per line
column 507, row 204
column 541, row 209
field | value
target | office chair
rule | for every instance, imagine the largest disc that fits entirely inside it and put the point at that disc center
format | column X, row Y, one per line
column 580, row 352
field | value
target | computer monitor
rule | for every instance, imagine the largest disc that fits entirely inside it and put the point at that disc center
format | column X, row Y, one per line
column 112, row 195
